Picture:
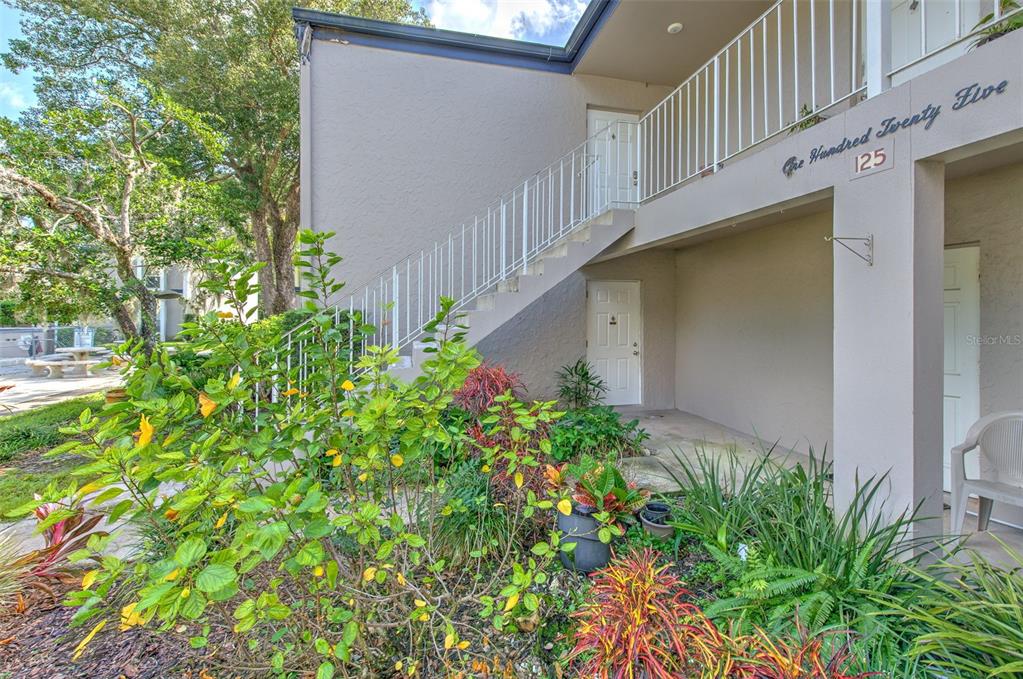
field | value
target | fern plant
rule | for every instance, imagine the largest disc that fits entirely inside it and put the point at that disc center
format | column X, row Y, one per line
column 785, row 551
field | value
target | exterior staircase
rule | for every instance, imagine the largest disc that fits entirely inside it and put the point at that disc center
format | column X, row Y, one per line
column 514, row 293
column 505, row 258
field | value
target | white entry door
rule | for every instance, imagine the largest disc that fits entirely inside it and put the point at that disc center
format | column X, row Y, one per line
column 613, row 338
column 611, row 158
column 962, row 350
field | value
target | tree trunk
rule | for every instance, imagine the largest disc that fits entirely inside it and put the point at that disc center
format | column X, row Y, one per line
column 274, row 229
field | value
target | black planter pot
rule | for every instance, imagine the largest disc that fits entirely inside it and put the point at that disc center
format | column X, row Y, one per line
column 654, row 518
column 590, row 554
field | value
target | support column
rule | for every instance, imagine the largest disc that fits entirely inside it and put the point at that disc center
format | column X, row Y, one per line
column 888, row 341
column 878, row 45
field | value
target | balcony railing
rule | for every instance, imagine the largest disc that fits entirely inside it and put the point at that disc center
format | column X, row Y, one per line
column 798, row 59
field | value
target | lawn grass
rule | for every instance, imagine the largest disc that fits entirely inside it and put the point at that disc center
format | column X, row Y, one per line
column 40, row 428
column 24, row 438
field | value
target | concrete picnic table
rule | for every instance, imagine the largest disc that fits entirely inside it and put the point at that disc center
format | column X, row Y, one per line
column 81, row 353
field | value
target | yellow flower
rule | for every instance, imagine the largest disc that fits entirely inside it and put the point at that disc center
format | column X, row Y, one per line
column 397, row 460
column 235, row 379
column 565, row 506
column 89, row 578
column 145, row 431
column 336, row 462
column 518, row 479
column 511, row 602
column 88, row 637
column 348, row 385
column 222, row 520
column 129, row 618
column 369, row 573
column 206, row 405
column 289, row 392
column 449, row 641
column 485, row 468
column 318, row 571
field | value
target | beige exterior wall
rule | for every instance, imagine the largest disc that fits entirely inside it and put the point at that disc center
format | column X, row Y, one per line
column 754, row 332
column 987, row 209
column 551, row 332
column 403, row 148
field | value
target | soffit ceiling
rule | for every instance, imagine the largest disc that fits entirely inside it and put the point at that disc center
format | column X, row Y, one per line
column 634, row 42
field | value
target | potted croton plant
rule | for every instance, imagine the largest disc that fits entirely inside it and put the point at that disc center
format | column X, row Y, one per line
column 601, row 499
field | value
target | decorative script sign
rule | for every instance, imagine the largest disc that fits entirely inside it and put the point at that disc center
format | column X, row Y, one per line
column 964, row 97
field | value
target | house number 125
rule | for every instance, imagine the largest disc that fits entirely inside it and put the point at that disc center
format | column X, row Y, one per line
column 870, row 160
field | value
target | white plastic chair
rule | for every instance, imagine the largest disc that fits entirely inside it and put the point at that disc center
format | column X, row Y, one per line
column 998, row 439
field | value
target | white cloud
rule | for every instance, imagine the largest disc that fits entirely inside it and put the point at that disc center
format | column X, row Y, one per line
column 518, row 19
column 12, row 97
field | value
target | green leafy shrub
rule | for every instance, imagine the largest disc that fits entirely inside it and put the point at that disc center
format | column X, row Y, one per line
column 787, row 553
column 598, row 431
column 967, row 618
column 315, row 526
column 473, row 523
column 579, row 386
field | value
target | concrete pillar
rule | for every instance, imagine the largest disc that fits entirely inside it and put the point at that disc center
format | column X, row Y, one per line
column 888, row 321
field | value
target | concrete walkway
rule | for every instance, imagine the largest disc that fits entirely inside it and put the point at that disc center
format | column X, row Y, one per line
column 675, row 432
column 30, row 392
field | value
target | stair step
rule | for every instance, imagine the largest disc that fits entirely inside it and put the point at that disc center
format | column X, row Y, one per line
column 581, row 235
column 509, row 285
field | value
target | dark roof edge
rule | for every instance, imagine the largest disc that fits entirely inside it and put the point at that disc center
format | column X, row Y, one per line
column 455, row 44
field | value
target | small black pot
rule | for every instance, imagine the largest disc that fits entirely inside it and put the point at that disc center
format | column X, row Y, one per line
column 656, row 525
column 590, row 554
column 656, row 510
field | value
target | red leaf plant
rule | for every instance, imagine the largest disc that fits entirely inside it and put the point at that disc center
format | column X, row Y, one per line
column 636, row 623
column 484, row 383
column 62, row 538
column 803, row 656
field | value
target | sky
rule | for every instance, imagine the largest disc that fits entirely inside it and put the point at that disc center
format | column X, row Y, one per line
column 549, row 22
column 545, row 21
column 15, row 90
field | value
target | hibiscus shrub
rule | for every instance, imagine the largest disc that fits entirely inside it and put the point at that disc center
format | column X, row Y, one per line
column 304, row 514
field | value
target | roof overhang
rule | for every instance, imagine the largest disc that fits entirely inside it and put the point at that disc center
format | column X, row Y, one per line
column 458, row 45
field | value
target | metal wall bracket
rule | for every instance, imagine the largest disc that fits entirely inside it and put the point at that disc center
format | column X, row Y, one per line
column 864, row 250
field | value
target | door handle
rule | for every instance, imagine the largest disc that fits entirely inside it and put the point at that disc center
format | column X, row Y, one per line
column 635, row 353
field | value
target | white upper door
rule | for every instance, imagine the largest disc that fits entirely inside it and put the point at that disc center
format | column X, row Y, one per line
column 962, row 351
column 611, row 158
column 613, row 338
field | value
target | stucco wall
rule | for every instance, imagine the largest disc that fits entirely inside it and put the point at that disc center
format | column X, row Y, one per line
column 987, row 209
column 403, row 148
column 551, row 332
column 754, row 332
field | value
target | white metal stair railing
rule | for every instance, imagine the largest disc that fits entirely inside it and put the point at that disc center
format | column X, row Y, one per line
column 599, row 174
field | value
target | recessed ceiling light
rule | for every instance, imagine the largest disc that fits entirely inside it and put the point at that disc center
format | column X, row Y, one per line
column 675, row 28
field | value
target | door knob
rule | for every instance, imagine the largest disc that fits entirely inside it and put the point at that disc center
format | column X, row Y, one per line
column 635, row 353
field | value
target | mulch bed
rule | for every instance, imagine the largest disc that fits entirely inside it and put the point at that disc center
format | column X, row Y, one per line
column 39, row 643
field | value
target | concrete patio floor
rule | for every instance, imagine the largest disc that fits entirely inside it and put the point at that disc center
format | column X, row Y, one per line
column 30, row 391
column 675, row 432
